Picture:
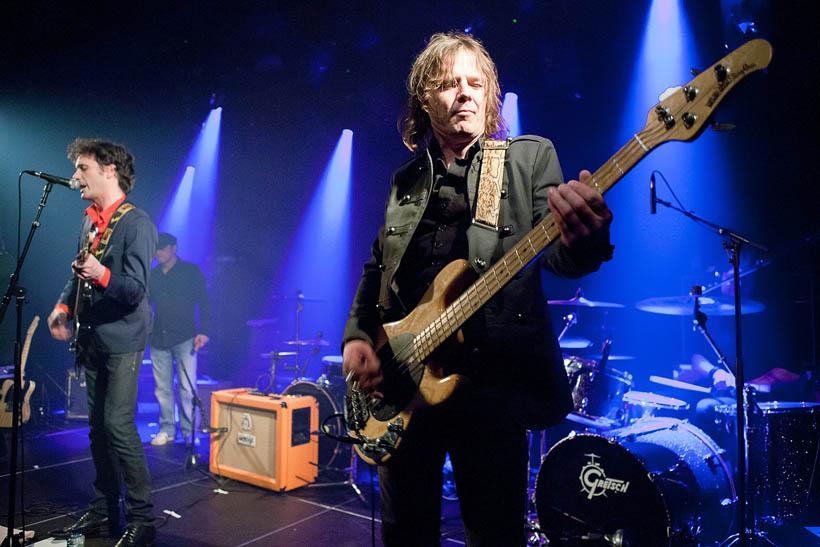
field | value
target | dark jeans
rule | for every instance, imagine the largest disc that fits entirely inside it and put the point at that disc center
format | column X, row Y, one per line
column 488, row 451
column 116, row 447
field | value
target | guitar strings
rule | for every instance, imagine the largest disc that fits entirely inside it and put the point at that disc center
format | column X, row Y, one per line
column 402, row 359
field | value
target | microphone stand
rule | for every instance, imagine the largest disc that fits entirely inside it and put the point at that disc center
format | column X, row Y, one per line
column 192, row 460
column 733, row 244
column 19, row 294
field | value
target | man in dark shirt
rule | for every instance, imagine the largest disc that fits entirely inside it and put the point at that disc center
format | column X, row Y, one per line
column 510, row 353
column 177, row 290
column 118, row 320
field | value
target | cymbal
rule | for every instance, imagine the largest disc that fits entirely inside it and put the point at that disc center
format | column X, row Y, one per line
column 310, row 342
column 278, row 354
column 580, row 301
column 612, row 357
column 710, row 305
column 568, row 342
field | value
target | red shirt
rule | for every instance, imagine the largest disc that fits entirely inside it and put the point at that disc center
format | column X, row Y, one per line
column 100, row 219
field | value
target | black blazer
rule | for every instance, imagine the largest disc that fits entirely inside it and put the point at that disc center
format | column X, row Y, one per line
column 513, row 350
column 120, row 315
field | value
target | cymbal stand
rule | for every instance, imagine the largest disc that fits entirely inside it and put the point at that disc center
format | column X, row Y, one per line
column 570, row 320
column 733, row 244
column 699, row 324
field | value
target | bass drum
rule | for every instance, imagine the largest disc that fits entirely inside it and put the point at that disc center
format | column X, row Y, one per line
column 330, row 396
column 657, row 482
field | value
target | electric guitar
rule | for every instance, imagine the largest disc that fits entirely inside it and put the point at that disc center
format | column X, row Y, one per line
column 404, row 347
column 26, row 386
column 82, row 299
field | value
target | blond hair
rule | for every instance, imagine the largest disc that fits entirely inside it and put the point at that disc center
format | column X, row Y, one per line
column 429, row 73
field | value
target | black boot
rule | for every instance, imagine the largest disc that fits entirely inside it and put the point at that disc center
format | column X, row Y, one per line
column 138, row 535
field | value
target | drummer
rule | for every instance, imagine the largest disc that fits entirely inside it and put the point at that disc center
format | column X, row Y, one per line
column 776, row 384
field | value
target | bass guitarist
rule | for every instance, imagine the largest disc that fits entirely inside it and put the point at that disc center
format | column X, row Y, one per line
column 435, row 215
column 115, row 326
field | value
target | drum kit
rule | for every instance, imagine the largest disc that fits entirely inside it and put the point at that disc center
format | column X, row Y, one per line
column 335, row 458
column 633, row 471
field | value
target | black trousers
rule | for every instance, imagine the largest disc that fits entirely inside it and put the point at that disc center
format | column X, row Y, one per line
column 116, row 447
column 488, row 451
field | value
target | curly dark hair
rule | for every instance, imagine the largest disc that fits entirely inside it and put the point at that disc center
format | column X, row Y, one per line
column 106, row 153
column 428, row 74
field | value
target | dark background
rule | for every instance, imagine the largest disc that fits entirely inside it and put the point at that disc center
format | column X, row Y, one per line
column 291, row 78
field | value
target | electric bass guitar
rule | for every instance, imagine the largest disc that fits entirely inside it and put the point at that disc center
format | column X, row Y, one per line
column 82, row 299
column 404, row 347
column 26, row 386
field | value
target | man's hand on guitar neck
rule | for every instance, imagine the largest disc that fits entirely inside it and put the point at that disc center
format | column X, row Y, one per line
column 362, row 367
column 90, row 270
column 580, row 210
column 56, row 324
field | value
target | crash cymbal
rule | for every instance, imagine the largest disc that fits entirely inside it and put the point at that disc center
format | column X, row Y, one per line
column 579, row 300
column 568, row 342
column 612, row 357
column 710, row 305
column 310, row 342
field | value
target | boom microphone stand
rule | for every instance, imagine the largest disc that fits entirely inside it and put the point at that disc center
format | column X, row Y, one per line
column 733, row 244
column 19, row 294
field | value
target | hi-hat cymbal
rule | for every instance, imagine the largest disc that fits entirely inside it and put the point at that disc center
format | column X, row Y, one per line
column 568, row 342
column 710, row 305
column 310, row 342
column 580, row 301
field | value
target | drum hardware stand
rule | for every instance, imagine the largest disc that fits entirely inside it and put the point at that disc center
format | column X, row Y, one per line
column 733, row 244
column 352, row 475
column 699, row 324
column 274, row 362
column 570, row 320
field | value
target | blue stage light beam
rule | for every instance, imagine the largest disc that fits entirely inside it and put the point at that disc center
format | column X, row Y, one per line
column 663, row 254
column 509, row 111
column 318, row 262
column 189, row 214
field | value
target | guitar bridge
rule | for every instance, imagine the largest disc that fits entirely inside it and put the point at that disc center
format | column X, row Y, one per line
column 378, row 448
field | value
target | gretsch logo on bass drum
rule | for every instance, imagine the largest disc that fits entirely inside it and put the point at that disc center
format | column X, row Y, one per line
column 595, row 482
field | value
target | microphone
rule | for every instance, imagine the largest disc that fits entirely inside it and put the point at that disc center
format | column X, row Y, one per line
column 213, row 430
column 652, row 199
column 71, row 184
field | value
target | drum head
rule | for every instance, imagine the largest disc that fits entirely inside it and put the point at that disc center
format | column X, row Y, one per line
column 331, row 401
column 589, row 484
column 653, row 400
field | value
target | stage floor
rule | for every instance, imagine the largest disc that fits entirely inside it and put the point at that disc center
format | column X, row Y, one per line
column 196, row 508
column 59, row 472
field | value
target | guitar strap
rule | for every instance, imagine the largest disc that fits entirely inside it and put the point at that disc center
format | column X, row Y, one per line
column 115, row 218
column 490, row 183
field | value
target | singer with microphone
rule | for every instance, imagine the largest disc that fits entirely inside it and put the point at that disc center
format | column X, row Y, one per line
column 178, row 290
column 112, row 329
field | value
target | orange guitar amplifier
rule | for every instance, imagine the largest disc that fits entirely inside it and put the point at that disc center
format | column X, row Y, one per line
column 267, row 441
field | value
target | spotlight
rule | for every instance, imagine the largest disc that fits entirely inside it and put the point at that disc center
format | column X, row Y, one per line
column 217, row 100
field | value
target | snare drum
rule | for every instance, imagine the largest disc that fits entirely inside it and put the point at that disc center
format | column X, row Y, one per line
column 643, row 404
column 784, row 447
column 596, row 393
column 330, row 396
column 657, row 482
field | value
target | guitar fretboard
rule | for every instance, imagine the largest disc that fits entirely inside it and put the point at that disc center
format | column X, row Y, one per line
column 525, row 251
